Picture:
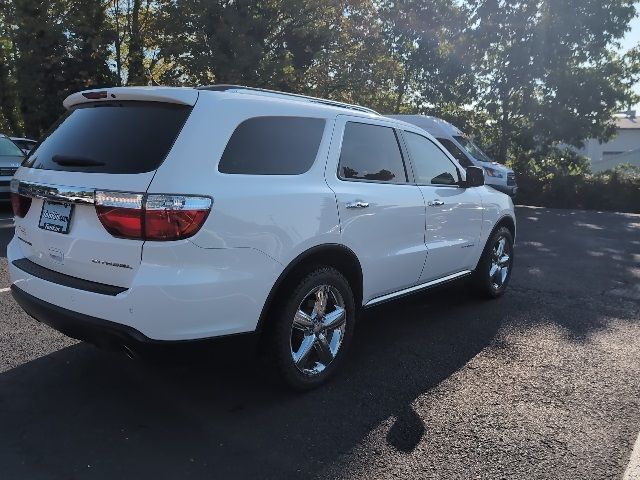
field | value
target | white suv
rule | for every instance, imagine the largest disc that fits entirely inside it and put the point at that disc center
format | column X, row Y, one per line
column 155, row 216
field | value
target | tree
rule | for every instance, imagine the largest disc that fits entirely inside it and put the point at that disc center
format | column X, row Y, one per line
column 546, row 70
column 9, row 111
column 40, row 43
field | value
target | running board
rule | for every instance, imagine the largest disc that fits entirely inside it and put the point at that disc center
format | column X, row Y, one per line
column 422, row 286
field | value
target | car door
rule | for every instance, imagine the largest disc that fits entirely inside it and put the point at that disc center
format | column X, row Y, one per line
column 454, row 213
column 382, row 215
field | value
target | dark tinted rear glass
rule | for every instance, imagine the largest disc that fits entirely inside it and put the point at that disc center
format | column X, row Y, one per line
column 273, row 146
column 371, row 152
column 123, row 137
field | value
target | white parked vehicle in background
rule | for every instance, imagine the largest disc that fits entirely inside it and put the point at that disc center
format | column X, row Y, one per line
column 10, row 159
column 465, row 151
column 151, row 216
column 25, row 144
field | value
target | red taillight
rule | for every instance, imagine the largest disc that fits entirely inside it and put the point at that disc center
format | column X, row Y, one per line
column 154, row 217
column 19, row 203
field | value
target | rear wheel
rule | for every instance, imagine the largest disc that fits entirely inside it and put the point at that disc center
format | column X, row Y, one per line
column 313, row 329
column 493, row 273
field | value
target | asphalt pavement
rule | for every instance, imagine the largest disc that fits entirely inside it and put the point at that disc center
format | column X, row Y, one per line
column 542, row 383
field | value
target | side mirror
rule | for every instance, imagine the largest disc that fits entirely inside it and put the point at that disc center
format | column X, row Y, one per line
column 475, row 177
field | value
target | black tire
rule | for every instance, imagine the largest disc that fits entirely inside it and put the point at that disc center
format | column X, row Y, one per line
column 482, row 281
column 283, row 333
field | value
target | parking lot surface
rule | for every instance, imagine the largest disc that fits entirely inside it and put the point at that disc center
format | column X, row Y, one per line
column 543, row 383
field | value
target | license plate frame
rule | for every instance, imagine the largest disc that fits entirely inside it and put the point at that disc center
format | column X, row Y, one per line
column 57, row 217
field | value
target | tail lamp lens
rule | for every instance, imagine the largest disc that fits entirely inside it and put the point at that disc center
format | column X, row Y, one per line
column 120, row 213
column 154, row 217
column 173, row 217
column 19, row 203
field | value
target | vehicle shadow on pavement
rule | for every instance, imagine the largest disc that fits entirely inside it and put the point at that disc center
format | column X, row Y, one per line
column 80, row 411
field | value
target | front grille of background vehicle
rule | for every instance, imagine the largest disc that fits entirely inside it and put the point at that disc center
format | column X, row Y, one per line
column 511, row 179
column 7, row 171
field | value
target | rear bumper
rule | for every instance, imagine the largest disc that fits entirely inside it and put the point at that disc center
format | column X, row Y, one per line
column 110, row 335
column 182, row 293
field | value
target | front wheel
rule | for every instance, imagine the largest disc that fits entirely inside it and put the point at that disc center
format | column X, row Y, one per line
column 493, row 272
column 313, row 329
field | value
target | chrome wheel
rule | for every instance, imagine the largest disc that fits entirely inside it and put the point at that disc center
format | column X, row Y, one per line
column 500, row 263
column 318, row 329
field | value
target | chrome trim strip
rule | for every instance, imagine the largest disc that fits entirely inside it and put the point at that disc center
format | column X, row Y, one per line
column 56, row 193
column 416, row 288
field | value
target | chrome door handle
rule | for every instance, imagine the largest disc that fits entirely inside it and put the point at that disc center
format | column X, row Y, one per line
column 435, row 203
column 357, row 204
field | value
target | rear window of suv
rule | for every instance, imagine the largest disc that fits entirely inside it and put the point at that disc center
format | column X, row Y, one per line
column 273, row 146
column 111, row 137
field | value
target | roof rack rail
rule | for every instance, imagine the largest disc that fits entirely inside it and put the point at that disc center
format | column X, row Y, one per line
column 224, row 88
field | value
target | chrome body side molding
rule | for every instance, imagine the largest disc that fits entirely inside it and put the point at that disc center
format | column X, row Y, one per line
column 416, row 288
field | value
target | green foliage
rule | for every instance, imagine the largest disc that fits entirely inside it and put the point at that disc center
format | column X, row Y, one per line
column 522, row 76
column 562, row 179
column 546, row 70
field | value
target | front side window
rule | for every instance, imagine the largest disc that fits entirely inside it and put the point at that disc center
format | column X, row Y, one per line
column 454, row 150
column 431, row 165
column 273, row 146
column 371, row 152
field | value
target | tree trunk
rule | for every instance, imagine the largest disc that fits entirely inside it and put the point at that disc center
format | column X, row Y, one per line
column 118, row 42
column 136, row 48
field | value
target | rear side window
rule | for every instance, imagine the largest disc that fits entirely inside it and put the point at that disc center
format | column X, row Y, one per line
column 458, row 154
column 111, row 137
column 371, row 152
column 273, row 146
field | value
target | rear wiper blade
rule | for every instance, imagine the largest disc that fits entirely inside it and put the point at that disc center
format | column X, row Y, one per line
column 73, row 161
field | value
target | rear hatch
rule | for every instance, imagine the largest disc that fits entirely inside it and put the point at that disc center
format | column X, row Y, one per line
column 106, row 145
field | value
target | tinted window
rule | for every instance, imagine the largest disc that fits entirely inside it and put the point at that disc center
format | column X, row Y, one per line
column 455, row 151
column 371, row 152
column 9, row 149
column 431, row 165
column 273, row 146
column 110, row 137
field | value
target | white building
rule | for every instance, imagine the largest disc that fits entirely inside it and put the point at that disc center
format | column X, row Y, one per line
column 624, row 147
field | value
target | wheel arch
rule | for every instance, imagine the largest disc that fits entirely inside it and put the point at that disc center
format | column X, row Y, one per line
column 333, row 255
column 504, row 221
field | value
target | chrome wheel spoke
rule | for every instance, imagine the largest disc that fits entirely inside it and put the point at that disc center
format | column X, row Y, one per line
column 324, row 350
column 306, row 347
column 321, row 301
column 334, row 319
column 503, row 275
column 504, row 260
column 494, row 270
column 302, row 321
column 317, row 329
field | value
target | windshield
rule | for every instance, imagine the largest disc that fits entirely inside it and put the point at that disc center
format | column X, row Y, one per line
column 454, row 150
column 9, row 149
column 472, row 149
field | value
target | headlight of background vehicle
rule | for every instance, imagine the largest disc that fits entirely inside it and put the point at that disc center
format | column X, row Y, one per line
column 493, row 172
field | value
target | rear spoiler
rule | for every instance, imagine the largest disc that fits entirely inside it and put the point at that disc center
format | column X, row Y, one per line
column 181, row 96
